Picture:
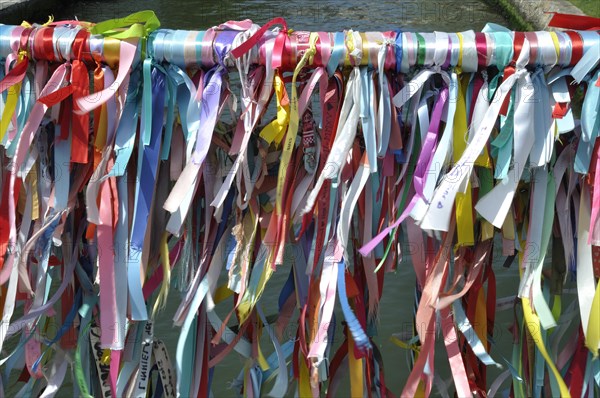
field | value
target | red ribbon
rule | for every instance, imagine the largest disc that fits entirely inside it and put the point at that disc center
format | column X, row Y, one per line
column 576, row 46
column 80, row 82
column 510, row 68
column 577, row 22
column 14, row 76
column 17, row 73
column 280, row 41
column 481, row 45
column 571, row 21
column 78, row 88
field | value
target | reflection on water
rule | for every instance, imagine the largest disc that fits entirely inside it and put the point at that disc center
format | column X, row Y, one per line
column 396, row 307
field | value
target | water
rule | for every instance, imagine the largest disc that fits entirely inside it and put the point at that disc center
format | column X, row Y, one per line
column 441, row 15
column 396, row 307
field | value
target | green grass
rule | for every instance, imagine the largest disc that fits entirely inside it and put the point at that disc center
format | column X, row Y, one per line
column 512, row 15
column 590, row 7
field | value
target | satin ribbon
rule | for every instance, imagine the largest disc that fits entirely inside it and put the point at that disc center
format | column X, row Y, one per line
column 180, row 197
column 138, row 24
column 214, row 224
column 570, row 21
column 290, row 136
column 439, row 211
column 421, row 174
column 147, row 169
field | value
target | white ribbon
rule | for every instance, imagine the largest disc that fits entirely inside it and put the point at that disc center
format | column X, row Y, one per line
column 441, row 155
column 494, row 206
column 344, row 137
column 585, row 273
column 543, row 145
column 251, row 110
column 438, row 215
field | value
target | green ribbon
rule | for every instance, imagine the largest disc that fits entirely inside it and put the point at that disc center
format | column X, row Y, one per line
column 420, row 50
column 503, row 44
column 501, row 147
column 139, row 24
column 85, row 311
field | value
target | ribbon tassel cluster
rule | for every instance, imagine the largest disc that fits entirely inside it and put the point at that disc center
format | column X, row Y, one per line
column 164, row 177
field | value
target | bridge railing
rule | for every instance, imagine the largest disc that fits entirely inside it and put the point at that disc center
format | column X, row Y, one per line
column 127, row 151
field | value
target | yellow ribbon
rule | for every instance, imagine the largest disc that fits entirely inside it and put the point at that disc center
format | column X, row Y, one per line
column 32, row 182
column 592, row 338
column 9, row 108
column 463, row 201
column 554, row 37
column 303, row 379
column 275, row 130
column 350, row 46
column 458, row 67
column 290, row 138
column 27, row 25
column 251, row 296
column 508, row 228
column 105, row 358
column 100, row 141
column 222, row 293
column 533, row 325
column 262, row 362
column 12, row 98
column 404, row 345
column 480, row 325
column 161, row 299
column 356, row 371
column 111, row 51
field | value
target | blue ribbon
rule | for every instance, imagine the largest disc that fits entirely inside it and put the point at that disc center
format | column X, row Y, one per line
column 339, row 49
column 398, row 49
column 125, row 136
column 63, row 329
column 358, row 334
column 148, row 156
column 287, row 290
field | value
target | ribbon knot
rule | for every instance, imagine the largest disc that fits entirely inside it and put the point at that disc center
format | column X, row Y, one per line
column 139, row 25
column 23, row 54
column 312, row 50
column 387, row 41
column 520, row 72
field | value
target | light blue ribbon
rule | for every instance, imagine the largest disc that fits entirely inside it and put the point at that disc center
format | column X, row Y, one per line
column 590, row 110
column 337, row 53
column 125, row 136
column 502, row 145
column 503, row 44
column 367, row 117
column 358, row 334
column 148, row 153
column 464, row 325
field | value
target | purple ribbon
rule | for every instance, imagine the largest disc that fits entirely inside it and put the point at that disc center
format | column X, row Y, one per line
column 421, row 171
column 213, row 81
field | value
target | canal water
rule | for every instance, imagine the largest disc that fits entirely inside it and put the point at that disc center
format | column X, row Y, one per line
column 322, row 15
column 396, row 307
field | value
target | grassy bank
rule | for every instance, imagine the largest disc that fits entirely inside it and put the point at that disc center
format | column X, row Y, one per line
column 590, row 7
column 515, row 19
